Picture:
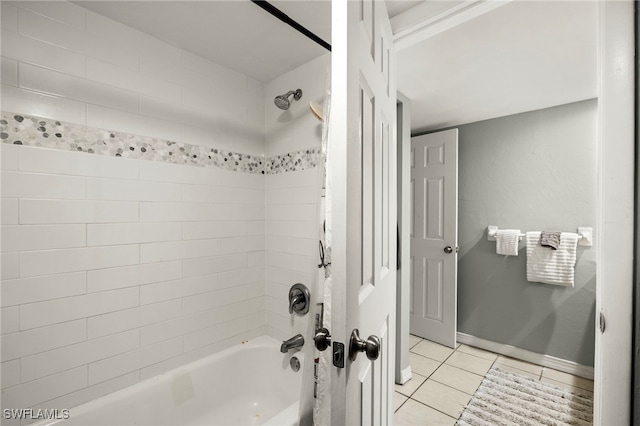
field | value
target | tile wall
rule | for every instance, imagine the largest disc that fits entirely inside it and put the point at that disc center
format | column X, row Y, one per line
column 117, row 269
column 291, row 246
column 292, row 197
column 64, row 62
column 121, row 269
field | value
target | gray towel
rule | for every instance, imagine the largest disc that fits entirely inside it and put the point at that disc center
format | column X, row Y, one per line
column 550, row 239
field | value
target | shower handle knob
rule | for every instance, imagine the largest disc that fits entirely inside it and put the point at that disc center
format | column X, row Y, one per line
column 299, row 299
column 322, row 339
column 371, row 346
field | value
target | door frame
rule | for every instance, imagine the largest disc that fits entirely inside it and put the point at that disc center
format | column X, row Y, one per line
column 616, row 168
column 403, row 280
column 614, row 250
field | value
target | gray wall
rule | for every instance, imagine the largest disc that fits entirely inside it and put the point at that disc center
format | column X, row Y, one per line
column 531, row 171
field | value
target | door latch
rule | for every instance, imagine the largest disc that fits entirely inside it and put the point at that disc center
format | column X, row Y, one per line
column 338, row 354
column 602, row 321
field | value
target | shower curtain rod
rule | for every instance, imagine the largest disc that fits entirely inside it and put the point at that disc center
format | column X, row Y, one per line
column 264, row 4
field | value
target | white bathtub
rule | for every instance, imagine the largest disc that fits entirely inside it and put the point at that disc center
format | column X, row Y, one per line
column 248, row 384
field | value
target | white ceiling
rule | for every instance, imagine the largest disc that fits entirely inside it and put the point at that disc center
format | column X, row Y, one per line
column 395, row 7
column 521, row 56
column 236, row 34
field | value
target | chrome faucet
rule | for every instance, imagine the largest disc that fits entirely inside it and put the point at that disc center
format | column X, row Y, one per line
column 295, row 342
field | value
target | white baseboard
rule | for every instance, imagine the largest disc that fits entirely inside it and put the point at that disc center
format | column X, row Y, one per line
column 525, row 355
column 405, row 375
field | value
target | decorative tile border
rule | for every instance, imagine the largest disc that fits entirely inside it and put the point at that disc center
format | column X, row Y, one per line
column 20, row 129
column 293, row 161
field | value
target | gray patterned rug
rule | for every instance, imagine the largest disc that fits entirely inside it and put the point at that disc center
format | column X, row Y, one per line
column 510, row 399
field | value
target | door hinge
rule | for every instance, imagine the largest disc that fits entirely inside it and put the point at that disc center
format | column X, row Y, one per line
column 603, row 323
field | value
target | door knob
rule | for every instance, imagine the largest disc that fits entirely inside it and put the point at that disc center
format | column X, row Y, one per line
column 322, row 339
column 371, row 346
column 448, row 249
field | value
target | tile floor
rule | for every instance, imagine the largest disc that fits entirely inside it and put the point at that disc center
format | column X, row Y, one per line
column 444, row 380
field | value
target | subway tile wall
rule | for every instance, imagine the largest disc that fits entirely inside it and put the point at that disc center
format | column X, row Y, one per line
column 113, row 269
column 64, row 62
column 296, row 128
column 291, row 247
column 109, row 280
column 292, row 198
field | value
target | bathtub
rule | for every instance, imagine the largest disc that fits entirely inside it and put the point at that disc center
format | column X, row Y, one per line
column 247, row 384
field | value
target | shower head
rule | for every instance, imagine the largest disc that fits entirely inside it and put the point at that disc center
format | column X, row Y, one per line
column 282, row 101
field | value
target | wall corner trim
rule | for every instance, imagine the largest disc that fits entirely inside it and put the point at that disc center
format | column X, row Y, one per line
column 405, row 375
column 525, row 355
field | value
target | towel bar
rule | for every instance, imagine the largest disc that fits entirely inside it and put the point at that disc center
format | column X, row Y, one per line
column 585, row 235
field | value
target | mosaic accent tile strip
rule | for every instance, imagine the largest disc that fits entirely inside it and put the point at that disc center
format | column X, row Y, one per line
column 20, row 129
column 26, row 130
column 293, row 161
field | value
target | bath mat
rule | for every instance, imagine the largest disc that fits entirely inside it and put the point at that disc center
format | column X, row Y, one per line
column 505, row 398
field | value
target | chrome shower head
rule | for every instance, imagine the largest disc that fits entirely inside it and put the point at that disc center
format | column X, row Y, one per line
column 282, row 101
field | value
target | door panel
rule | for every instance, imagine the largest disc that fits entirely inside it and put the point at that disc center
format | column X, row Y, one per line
column 367, row 131
column 434, row 227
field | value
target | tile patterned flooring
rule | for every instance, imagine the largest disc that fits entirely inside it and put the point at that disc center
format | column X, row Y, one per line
column 444, row 380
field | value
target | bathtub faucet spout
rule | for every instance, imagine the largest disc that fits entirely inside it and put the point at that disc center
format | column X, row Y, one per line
column 295, row 342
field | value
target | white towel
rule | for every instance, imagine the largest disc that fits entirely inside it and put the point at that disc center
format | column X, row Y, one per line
column 507, row 241
column 551, row 266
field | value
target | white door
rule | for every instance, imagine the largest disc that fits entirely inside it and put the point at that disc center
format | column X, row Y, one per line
column 362, row 170
column 434, row 236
